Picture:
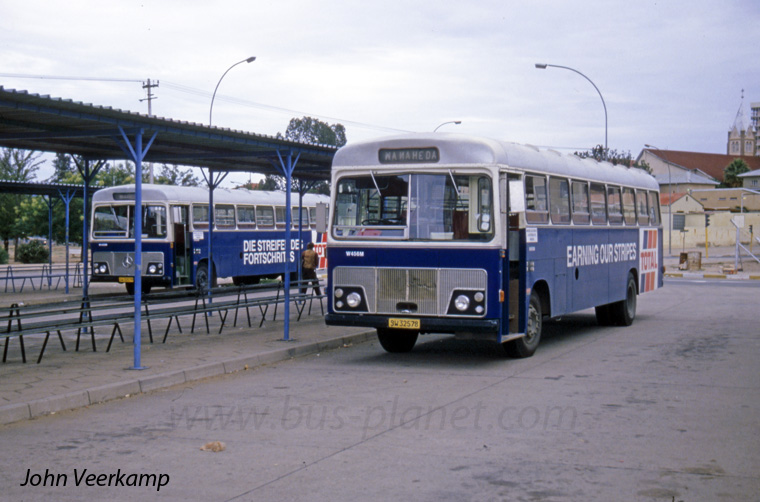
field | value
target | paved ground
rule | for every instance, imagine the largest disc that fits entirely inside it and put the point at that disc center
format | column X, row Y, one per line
column 70, row 379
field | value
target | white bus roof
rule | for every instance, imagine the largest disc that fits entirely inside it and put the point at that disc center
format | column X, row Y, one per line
column 455, row 150
column 199, row 195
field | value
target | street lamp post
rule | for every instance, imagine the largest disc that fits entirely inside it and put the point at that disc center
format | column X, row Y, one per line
column 543, row 66
column 457, row 122
column 210, row 181
column 211, row 108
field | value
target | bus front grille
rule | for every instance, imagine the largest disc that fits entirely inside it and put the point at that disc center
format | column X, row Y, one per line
column 419, row 291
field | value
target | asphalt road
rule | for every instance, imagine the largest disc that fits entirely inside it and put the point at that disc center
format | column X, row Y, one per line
column 667, row 409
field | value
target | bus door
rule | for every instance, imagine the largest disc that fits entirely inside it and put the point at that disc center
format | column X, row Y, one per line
column 513, row 205
column 182, row 245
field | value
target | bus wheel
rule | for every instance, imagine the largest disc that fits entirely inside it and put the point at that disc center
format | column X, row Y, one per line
column 202, row 280
column 527, row 345
column 624, row 311
column 397, row 340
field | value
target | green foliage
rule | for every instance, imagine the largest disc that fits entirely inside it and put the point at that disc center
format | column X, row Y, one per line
column 311, row 130
column 3, row 256
column 173, row 175
column 614, row 157
column 32, row 252
column 307, row 130
column 732, row 171
column 15, row 165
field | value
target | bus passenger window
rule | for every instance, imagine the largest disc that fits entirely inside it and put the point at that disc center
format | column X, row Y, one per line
column 200, row 215
column 629, row 206
column 304, row 217
column 614, row 207
column 536, row 210
column 313, row 217
column 581, row 215
column 559, row 193
column 265, row 216
column 154, row 221
column 224, row 216
column 642, row 210
column 598, row 204
column 246, row 216
column 654, row 208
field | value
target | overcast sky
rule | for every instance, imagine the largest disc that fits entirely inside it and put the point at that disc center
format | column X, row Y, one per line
column 671, row 72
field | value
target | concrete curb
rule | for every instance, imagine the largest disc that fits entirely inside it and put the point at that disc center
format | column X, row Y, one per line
column 101, row 394
column 708, row 275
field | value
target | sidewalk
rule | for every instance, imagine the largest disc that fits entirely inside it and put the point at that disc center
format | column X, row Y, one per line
column 717, row 263
column 70, row 379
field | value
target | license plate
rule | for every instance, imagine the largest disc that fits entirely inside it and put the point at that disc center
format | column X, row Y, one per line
column 404, row 323
column 126, row 279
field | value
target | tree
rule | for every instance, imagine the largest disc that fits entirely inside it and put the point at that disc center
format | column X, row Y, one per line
column 173, row 175
column 614, row 157
column 63, row 167
column 308, row 130
column 311, row 130
column 731, row 173
column 15, row 165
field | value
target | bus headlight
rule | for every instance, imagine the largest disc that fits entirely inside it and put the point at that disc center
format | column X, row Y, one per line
column 100, row 268
column 155, row 268
column 338, row 293
column 353, row 299
column 462, row 303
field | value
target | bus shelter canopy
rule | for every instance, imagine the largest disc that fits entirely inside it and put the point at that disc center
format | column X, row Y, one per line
column 41, row 123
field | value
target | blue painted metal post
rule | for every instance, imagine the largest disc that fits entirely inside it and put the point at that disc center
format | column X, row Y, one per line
column 137, row 341
column 67, row 200
column 210, row 268
column 137, row 154
column 50, row 241
column 85, row 231
column 287, row 168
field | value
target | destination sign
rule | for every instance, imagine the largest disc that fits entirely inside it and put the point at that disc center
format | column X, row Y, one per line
column 409, row 155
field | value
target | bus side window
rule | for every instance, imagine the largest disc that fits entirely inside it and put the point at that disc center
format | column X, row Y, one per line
column 614, row 208
column 642, row 210
column 313, row 217
column 224, row 216
column 536, row 210
column 246, row 216
column 559, row 200
column 200, row 215
column 629, row 206
column 581, row 213
column 265, row 217
column 654, row 208
column 280, row 215
column 598, row 201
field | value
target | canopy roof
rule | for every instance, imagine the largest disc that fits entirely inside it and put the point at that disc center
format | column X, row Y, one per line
column 41, row 123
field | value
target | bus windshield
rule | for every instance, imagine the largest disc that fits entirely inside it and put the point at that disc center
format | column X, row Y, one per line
column 415, row 207
column 119, row 221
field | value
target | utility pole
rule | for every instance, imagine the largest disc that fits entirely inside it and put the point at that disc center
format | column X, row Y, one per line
column 150, row 97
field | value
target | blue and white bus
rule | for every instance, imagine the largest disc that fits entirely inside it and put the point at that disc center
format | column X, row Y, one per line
column 249, row 235
column 442, row 233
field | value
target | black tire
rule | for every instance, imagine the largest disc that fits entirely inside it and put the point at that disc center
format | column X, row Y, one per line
column 622, row 313
column 397, row 340
column 527, row 345
column 202, row 277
